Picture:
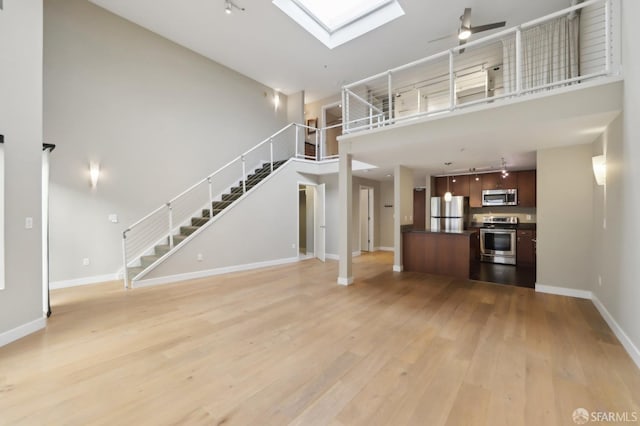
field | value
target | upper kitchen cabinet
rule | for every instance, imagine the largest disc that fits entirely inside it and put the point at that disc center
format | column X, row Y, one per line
column 475, row 191
column 459, row 187
column 440, row 187
column 496, row 181
column 527, row 188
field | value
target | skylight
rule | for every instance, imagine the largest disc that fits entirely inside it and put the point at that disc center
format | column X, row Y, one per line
column 335, row 22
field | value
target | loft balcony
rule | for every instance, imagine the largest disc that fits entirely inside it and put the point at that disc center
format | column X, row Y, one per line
column 574, row 48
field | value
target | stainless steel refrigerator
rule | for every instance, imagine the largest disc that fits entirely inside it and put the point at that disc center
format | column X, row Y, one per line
column 449, row 215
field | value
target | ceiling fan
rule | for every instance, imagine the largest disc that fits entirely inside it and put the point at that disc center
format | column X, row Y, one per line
column 466, row 29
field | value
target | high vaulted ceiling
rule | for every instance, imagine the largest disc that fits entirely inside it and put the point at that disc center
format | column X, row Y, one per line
column 266, row 45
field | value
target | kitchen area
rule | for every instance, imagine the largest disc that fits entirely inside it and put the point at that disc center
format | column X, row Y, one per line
column 479, row 226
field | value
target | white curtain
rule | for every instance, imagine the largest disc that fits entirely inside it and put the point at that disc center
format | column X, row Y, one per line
column 550, row 53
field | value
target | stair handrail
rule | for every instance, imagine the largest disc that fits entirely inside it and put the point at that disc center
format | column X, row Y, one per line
column 211, row 175
column 169, row 204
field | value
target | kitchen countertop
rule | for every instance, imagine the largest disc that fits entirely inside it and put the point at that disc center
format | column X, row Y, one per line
column 428, row 231
column 520, row 226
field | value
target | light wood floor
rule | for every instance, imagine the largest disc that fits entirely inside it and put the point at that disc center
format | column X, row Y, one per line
column 286, row 345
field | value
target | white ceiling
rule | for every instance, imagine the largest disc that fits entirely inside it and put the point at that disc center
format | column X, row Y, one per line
column 266, row 45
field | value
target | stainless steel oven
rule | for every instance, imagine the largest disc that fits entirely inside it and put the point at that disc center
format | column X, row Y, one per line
column 498, row 240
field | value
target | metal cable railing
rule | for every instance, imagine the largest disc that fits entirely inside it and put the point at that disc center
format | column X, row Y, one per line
column 162, row 225
column 565, row 48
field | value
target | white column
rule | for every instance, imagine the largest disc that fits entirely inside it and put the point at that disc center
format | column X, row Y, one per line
column 402, row 210
column 345, row 192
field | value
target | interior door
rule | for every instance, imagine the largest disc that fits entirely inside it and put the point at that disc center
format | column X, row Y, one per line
column 319, row 221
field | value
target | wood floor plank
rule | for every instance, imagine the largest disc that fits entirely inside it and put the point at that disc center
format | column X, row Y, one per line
column 286, row 345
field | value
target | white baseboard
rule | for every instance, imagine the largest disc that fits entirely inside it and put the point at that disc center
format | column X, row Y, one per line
column 627, row 343
column 345, row 281
column 22, row 330
column 333, row 256
column 564, row 291
column 54, row 285
column 631, row 349
column 384, row 249
column 398, row 268
column 211, row 272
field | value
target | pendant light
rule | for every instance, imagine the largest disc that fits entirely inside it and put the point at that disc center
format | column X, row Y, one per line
column 447, row 195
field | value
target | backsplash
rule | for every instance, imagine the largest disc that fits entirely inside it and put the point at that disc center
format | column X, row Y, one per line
column 525, row 215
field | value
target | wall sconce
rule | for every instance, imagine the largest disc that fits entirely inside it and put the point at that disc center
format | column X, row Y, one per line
column 94, row 173
column 276, row 100
column 599, row 163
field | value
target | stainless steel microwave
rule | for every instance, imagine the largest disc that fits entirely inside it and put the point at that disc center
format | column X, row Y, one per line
column 500, row 197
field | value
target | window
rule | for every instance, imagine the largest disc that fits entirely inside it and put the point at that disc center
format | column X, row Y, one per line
column 335, row 22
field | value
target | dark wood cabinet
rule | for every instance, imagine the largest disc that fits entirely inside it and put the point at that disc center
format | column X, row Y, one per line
column 496, row 181
column 440, row 186
column 460, row 185
column 438, row 253
column 475, row 192
column 525, row 248
column 468, row 186
column 475, row 244
column 419, row 208
column 527, row 188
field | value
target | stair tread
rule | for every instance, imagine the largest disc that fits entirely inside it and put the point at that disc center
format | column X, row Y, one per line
column 257, row 176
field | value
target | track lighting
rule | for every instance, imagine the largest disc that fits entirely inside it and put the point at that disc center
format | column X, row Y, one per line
column 505, row 173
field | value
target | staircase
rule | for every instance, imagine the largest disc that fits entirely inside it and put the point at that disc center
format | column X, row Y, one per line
column 215, row 209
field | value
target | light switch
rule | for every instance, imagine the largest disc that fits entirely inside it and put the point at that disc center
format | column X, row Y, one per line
column 113, row 218
column 28, row 222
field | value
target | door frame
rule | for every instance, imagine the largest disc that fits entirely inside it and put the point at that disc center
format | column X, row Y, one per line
column 371, row 217
column 323, row 124
column 315, row 227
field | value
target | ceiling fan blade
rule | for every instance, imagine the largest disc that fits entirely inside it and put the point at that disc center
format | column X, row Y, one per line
column 487, row 27
column 443, row 38
column 465, row 19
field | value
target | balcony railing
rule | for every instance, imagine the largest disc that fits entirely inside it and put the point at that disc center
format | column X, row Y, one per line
column 569, row 47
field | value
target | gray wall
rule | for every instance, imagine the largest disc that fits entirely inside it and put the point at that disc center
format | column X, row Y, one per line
column 564, row 186
column 332, row 210
column 617, row 248
column 157, row 117
column 260, row 228
column 386, row 214
column 21, row 123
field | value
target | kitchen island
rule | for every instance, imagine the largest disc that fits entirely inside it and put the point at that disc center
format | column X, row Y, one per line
column 449, row 253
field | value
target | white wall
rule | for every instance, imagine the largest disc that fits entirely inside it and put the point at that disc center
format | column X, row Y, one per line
column 616, row 253
column 332, row 210
column 295, row 107
column 21, row 123
column 157, row 117
column 564, row 190
column 386, row 214
column 260, row 228
column 402, row 209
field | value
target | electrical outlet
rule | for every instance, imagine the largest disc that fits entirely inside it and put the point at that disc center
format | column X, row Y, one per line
column 199, row 257
column 293, row 245
column 85, row 261
column 28, row 222
column 528, row 217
